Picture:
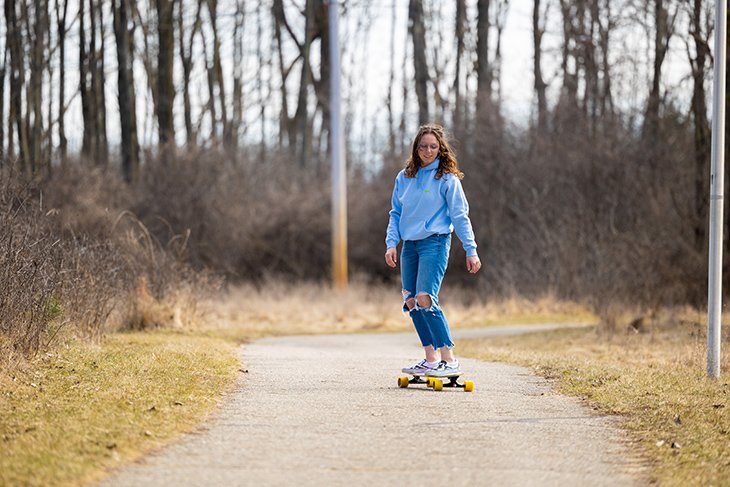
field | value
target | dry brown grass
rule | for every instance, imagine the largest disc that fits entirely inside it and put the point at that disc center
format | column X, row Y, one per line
column 281, row 308
column 68, row 415
column 654, row 379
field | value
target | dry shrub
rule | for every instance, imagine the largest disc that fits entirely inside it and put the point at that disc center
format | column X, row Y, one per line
column 242, row 219
column 97, row 275
column 30, row 270
column 164, row 290
column 70, row 257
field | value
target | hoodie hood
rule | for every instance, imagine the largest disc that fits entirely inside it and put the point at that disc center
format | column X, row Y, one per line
column 431, row 167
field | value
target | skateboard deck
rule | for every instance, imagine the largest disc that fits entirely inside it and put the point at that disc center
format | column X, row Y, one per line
column 436, row 383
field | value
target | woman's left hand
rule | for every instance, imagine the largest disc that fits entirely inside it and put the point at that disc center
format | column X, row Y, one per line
column 473, row 264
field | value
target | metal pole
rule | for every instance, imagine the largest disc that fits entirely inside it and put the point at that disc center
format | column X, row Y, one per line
column 717, row 177
column 339, row 171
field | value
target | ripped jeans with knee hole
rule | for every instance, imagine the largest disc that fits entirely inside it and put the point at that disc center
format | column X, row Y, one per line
column 422, row 267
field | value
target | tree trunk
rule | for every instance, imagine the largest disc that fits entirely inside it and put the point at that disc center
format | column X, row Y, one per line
column 237, row 118
column 99, row 83
column 538, row 30
column 3, row 70
column 85, row 88
column 286, row 127
column 460, row 30
column 484, row 71
column 17, row 81
column 150, row 66
column 125, row 80
column 301, row 116
column 569, row 92
column 322, row 85
column 391, row 84
column 61, row 14
column 606, row 102
column 662, row 35
column 37, row 29
column 418, row 36
column 165, row 86
column 496, row 71
column 216, row 76
column 263, row 61
column 186, row 57
column 702, row 132
column 10, row 39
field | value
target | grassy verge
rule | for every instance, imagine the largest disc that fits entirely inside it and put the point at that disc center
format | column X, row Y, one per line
column 656, row 381
column 75, row 412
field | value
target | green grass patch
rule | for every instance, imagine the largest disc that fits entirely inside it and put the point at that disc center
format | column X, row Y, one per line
column 75, row 412
column 655, row 381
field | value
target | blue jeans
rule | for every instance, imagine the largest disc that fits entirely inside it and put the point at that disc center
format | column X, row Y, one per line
column 422, row 268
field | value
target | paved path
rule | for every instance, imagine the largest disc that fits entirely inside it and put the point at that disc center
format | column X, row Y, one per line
column 326, row 410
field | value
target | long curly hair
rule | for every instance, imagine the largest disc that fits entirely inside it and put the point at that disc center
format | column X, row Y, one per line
column 446, row 155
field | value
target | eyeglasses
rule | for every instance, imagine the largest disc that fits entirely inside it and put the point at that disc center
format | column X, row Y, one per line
column 426, row 146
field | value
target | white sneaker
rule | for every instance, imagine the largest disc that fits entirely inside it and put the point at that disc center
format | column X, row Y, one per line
column 420, row 368
column 445, row 369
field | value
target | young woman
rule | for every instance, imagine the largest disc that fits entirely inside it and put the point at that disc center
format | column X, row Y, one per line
column 428, row 204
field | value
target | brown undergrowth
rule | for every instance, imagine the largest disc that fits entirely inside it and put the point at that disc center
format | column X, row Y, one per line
column 277, row 307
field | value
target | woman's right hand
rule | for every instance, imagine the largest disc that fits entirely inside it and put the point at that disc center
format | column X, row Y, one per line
column 391, row 256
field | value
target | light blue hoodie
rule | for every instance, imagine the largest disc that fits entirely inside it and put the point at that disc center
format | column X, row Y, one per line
column 424, row 206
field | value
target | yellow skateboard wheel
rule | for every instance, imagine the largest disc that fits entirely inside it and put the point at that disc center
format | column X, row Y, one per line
column 429, row 381
column 438, row 385
column 468, row 386
column 402, row 381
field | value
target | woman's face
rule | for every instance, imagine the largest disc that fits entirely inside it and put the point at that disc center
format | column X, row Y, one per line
column 428, row 148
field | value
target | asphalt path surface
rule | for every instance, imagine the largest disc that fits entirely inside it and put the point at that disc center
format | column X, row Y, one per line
column 327, row 410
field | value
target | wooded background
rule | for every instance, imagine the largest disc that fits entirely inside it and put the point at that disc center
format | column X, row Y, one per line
column 208, row 122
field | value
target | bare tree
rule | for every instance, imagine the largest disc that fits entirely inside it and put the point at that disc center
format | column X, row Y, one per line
column 483, row 67
column 37, row 29
column 418, row 36
column 664, row 21
column 699, row 32
column 165, row 86
column 186, row 42
column 62, row 30
column 91, row 82
column 460, row 29
column 500, row 19
column 3, row 70
column 286, row 123
column 301, row 116
column 539, row 19
column 237, row 118
column 98, row 77
column 605, row 27
column 573, row 14
column 18, row 115
column 216, row 83
column 322, row 84
column 391, row 83
column 126, row 97
column 264, row 60
column 149, row 47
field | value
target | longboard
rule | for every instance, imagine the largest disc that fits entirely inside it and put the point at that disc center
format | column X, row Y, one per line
column 436, row 383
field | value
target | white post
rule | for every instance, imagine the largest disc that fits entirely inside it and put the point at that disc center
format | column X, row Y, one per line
column 339, row 171
column 717, row 170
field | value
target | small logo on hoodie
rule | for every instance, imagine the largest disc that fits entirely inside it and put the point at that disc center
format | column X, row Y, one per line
column 425, row 191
